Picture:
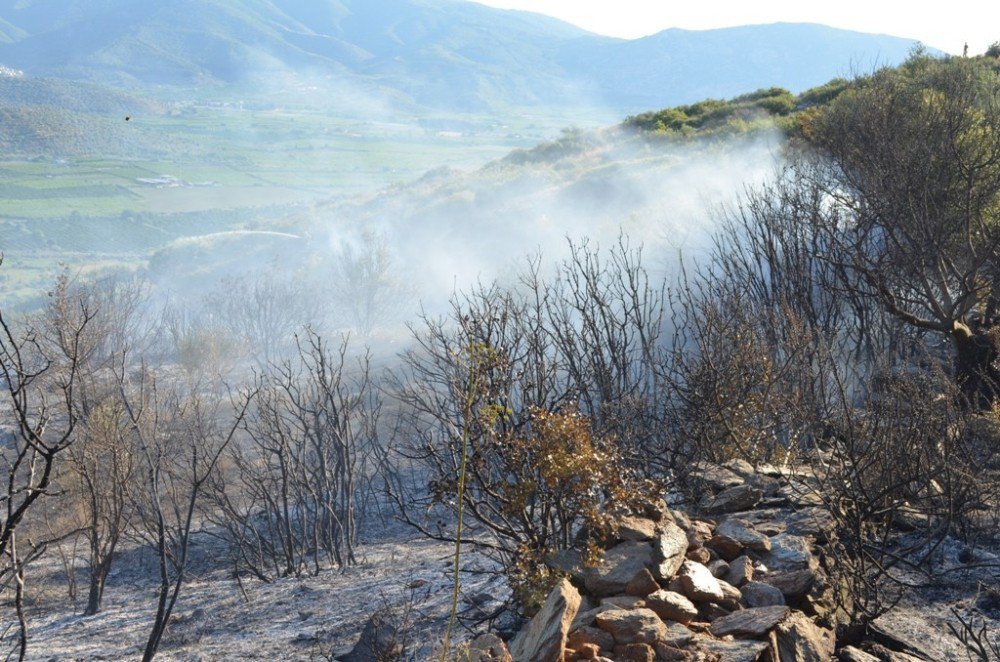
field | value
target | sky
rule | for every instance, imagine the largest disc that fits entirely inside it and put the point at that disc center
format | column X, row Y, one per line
column 947, row 28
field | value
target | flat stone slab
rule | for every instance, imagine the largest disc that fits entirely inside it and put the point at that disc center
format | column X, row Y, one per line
column 614, row 571
column 617, row 567
column 793, row 585
column 717, row 478
column 755, row 622
column 672, row 606
column 636, row 529
column 760, row 594
column 732, row 651
column 789, row 552
column 744, row 533
column 734, row 499
column 632, row 626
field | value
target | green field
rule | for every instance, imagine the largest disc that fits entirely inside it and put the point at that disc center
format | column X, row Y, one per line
column 228, row 158
column 198, row 169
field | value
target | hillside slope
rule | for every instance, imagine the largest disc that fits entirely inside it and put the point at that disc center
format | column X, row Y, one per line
column 440, row 53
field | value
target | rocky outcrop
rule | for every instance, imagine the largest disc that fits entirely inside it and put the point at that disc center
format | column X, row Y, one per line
column 737, row 581
column 799, row 639
column 544, row 637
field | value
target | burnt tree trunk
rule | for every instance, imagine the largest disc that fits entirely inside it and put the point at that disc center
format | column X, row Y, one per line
column 976, row 365
column 98, row 576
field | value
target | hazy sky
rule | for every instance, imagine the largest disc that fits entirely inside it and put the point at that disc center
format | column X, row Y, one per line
column 947, row 27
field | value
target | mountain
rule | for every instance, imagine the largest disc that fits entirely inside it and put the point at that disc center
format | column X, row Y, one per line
column 69, row 95
column 54, row 116
column 448, row 54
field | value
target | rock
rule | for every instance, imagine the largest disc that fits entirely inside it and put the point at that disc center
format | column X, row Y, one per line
column 714, row 477
column 800, row 493
column 635, row 653
column 726, row 547
column 544, row 638
column 887, row 635
column 668, row 551
column 587, row 652
column 888, row 655
column 770, row 521
column 667, row 653
column 681, row 518
column 616, row 568
column 634, row 626
column 587, row 618
column 698, row 533
column 729, row 592
column 740, row 467
column 815, row 522
column 677, row 635
column 745, row 533
column 711, row 611
column 590, row 635
column 749, row 622
column 733, row 651
column 790, row 552
column 811, row 521
column 766, row 484
column 642, row 584
column 567, row 561
column 699, row 555
column 672, row 606
column 636, row 529
column 719, row 568
column 852, row 654
column 793, row 585
column 380, row 640
column 760, row 594
column 740, row 571
column 734, row 499
column 623, row 602
column 488, row 648
column 698, row 583
column 801, row 640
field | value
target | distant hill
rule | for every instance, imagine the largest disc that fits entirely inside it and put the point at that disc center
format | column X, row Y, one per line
column 448, row 54
column 70, row 95
column 41, row 116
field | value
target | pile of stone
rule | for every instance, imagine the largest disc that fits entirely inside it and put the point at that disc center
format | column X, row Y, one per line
column 739, row 583
column 680, row 589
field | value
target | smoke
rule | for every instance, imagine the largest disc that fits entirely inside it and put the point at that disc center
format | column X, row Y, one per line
column 454, row 228
column 374, row 263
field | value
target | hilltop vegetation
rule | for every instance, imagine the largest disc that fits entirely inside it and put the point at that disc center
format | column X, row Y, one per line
column 765, row 108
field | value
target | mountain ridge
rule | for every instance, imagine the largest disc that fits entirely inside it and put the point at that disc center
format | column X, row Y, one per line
column 435, row 53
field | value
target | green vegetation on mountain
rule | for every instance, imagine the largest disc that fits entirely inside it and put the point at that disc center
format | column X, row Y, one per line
column 774, row 106
column 765, row 108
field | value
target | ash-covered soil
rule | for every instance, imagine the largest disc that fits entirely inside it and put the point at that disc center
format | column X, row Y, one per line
column 307, row 618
